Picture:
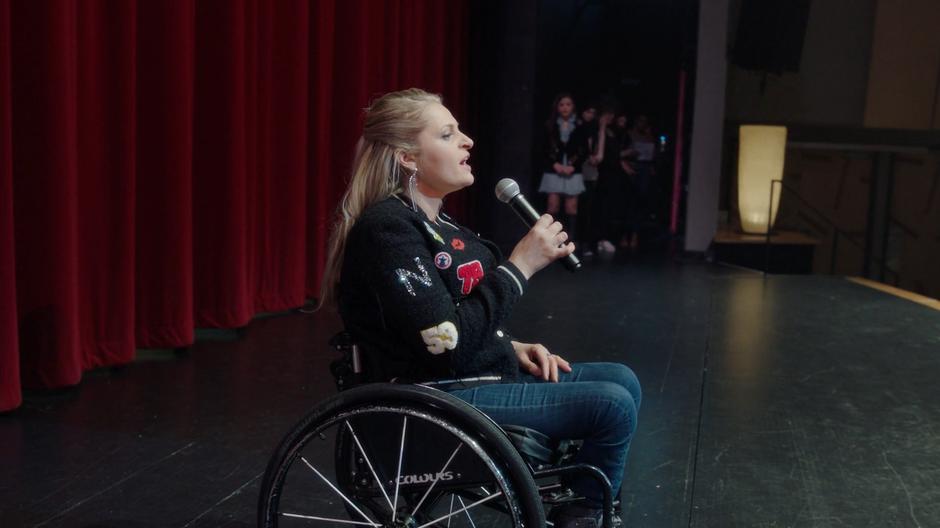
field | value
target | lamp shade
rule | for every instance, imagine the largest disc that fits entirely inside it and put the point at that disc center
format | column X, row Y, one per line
column 760, row 161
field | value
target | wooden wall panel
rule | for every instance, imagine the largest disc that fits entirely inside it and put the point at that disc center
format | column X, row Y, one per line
column 905, row 61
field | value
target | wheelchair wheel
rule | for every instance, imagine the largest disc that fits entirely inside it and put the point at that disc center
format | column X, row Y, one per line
column 386, row 455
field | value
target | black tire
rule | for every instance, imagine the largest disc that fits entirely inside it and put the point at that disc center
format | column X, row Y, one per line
column 489, row 463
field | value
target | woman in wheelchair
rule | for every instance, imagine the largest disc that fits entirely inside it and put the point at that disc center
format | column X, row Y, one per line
column 425, row 300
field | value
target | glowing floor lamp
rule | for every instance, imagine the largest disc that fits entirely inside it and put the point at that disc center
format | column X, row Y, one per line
column 760, row 161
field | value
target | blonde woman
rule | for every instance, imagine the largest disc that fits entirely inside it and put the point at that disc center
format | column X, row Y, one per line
column 427, row 298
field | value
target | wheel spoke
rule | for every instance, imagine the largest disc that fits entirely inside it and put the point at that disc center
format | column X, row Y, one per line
column 340, row 493
column 326, row 519
column 308, row 501
column 434, row 483
column 451, row 513
column 401, row 455
column 369, row 463
column 473, row 524
column 461, row 510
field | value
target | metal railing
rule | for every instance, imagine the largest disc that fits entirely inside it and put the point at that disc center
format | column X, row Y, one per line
column 837, row 232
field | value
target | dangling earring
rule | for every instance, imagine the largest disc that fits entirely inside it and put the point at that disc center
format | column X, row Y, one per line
column 412, row 188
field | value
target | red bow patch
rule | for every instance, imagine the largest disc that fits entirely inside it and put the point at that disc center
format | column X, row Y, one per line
column 470, row 275
column 457, row 244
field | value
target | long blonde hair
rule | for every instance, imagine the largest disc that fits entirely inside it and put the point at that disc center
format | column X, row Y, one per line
column 392, row 125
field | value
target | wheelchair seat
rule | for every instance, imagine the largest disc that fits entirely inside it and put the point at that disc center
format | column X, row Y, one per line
column 539, row 450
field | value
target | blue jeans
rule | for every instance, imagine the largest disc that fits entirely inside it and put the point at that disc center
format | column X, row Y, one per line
column 595, row 402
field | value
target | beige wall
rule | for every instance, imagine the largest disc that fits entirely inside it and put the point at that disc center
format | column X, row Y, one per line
column 871, row 63
column 915, row 209
column 829, row 89
column 838, row 184
column 905, row 65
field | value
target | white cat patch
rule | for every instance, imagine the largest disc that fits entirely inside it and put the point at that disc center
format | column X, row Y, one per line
column 441, row 337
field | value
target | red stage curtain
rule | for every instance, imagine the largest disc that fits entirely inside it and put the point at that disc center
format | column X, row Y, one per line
column 168, row 165
column 163, row 291
column 9, row 341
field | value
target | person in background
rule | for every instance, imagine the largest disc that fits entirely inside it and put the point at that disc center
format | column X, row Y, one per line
column 620, row 128
column 587, row 201
column 565, row 152
column 613, row 185
column 642, row 159
column 587, row 115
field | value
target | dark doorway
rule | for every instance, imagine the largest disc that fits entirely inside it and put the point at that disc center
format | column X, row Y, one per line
column 627, row 52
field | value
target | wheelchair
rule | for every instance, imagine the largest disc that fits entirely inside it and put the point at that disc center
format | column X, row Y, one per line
column 412, row 456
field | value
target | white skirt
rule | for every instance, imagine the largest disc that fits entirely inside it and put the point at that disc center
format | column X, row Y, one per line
column 554, row 184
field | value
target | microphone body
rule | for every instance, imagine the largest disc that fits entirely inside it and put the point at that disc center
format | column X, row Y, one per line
column 507, row 191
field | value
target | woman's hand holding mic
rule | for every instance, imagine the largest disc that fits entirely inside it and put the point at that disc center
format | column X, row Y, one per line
column 543, row 244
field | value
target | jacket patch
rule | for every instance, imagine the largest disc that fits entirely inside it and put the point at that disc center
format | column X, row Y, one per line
column 440, row 338
column 434, row 233
column 457, row 244
column 406, row 276
column 470, row 275
column 443, row 260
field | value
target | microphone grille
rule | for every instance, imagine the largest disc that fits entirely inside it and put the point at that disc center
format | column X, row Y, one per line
column 506, row 189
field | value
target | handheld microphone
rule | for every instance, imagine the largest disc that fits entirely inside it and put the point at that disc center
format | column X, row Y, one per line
column 507, row 191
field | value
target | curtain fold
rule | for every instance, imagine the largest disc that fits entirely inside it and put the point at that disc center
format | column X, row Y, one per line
column 163, row 291
column 172, row 165
column 320, row 141
column 9, row 340
column 105, row 156
column 45, row 188
column 223, row 122
column 285, row 87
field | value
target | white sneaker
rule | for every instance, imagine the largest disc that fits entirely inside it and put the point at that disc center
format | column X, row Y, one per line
column 604, row 246
column 577, row 516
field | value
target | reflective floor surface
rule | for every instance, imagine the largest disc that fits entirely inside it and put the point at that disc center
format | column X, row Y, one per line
column 772, row 402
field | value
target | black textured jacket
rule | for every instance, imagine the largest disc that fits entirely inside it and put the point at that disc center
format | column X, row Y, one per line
column 426, row 300
column 576, row 149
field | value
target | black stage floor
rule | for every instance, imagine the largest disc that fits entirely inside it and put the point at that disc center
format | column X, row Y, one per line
column 786, row 401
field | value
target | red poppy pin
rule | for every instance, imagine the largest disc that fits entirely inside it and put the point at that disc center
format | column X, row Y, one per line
column 457, row 244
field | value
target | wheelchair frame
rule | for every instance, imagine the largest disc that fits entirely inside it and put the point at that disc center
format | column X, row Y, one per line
column 514, row 458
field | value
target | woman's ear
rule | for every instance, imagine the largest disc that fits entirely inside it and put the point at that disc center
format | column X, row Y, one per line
column 407, row 160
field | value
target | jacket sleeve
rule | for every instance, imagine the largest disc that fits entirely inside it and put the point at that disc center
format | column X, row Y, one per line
column 550, row 149
column 457, row 335
column 577, row 147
